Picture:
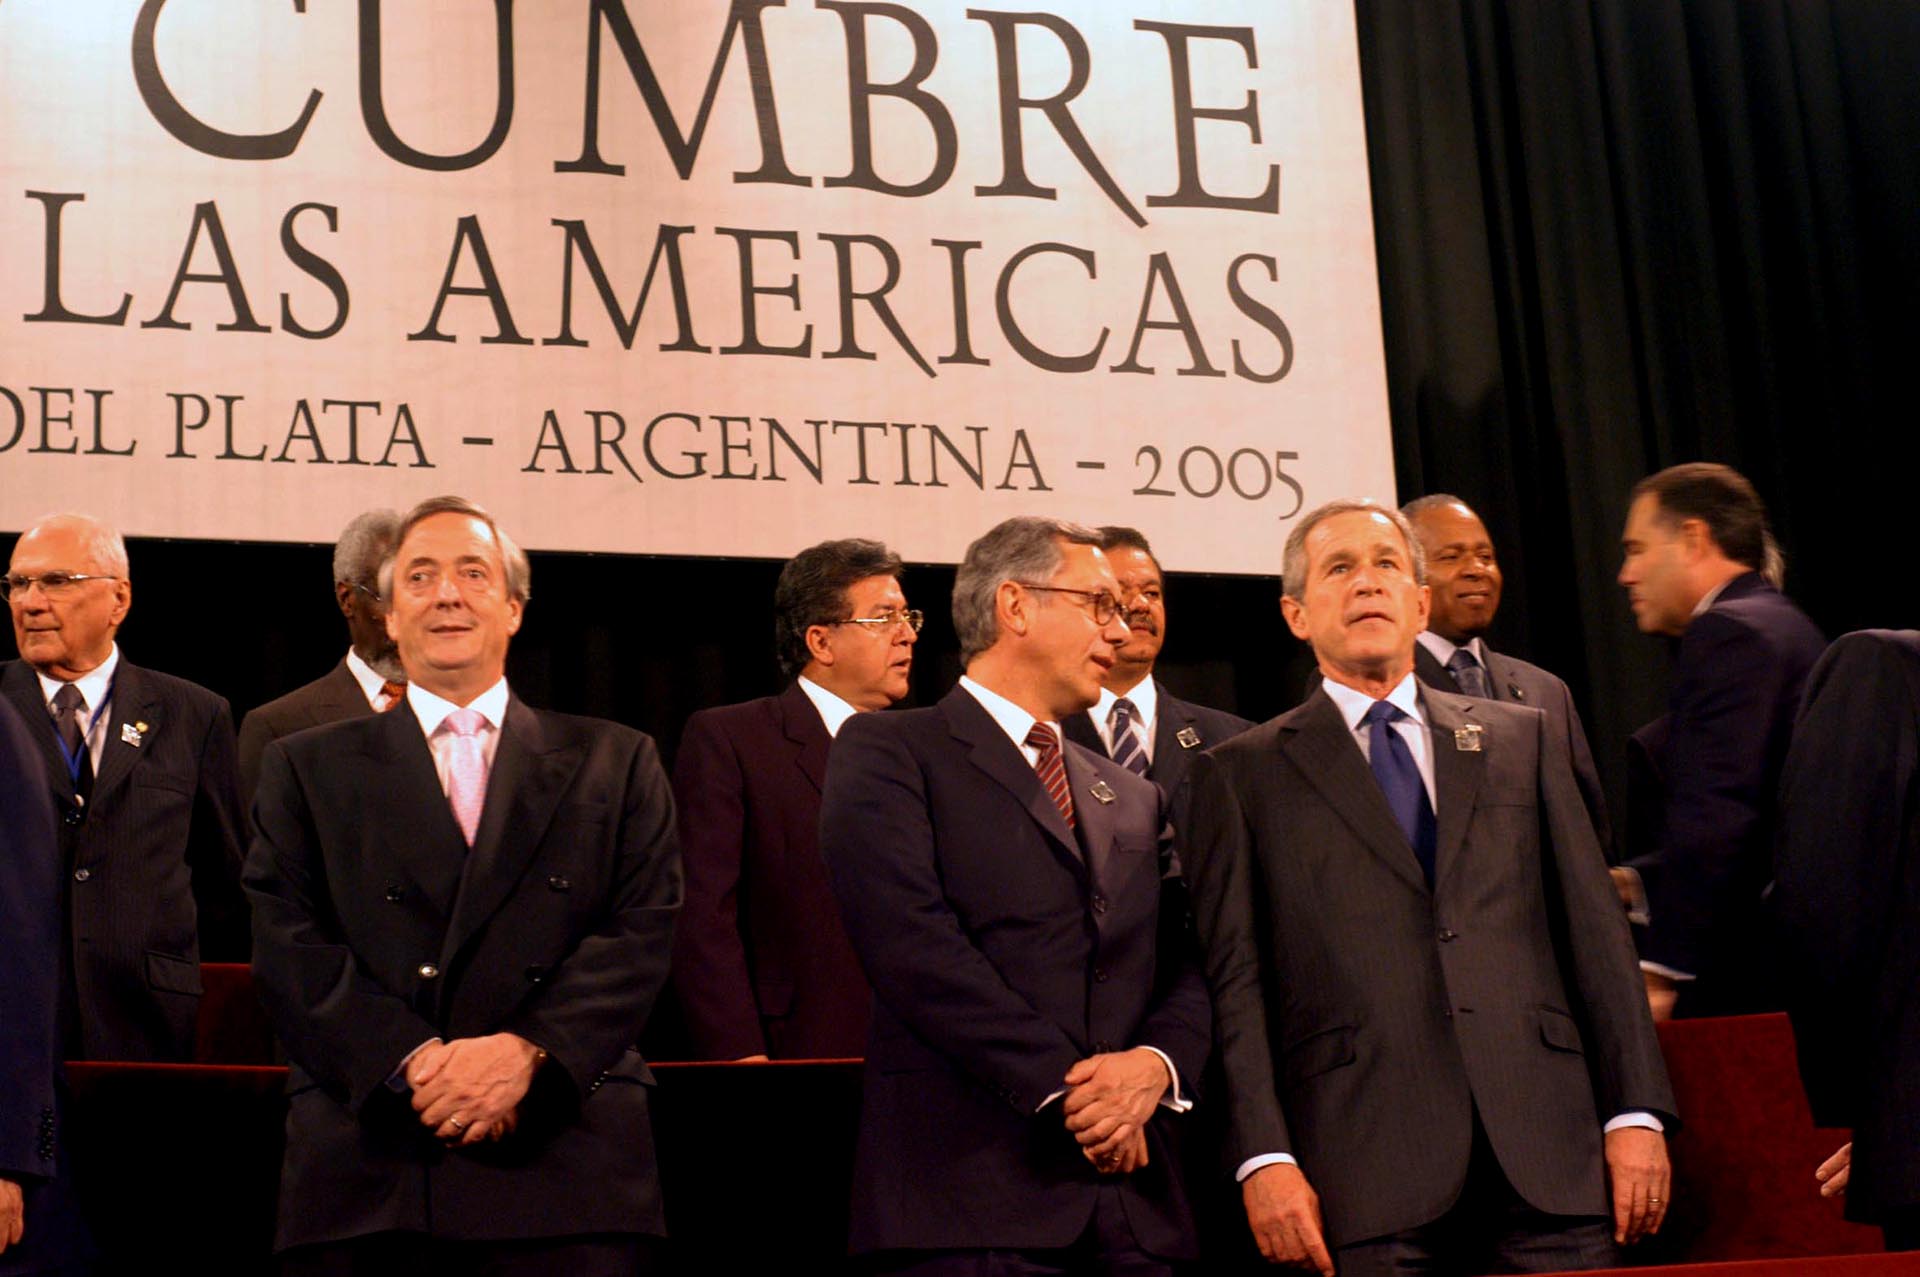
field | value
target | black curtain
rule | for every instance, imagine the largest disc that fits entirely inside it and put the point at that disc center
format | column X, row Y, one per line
column 1619, row 234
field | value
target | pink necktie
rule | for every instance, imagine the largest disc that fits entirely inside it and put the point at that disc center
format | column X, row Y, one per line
column 466, row 768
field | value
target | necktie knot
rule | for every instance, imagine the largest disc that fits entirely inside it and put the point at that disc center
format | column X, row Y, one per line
column 393, row 692
column 1123, row 729
column 1383, row 712
column 1467, row 672
column 1041, row 737
column 1052, row 768
column 69, row 700
column 464, row 722
column 1122, row 714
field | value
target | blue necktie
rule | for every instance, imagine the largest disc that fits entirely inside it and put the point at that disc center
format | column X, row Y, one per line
column 1399, row 778
column 1126, row 741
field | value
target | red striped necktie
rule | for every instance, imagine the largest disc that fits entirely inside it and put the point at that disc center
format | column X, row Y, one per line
column 1053, row 772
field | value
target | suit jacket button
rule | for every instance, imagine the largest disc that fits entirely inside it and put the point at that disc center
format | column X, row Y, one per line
column 1099, row 904
column 1099, row 975
column 428, row 971
column 1448, row 935
column 560, row 882
column 536, row 973
column 1103, row 1047
column 73, row 815
column 396, row 894
column 81, row 875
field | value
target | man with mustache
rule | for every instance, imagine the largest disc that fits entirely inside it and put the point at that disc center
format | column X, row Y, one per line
column 1463, row 574
column 1137, row 722
column 1436, row 1051
column 762, row 967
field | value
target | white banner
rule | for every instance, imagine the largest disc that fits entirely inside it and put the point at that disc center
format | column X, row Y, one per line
column 689, row 277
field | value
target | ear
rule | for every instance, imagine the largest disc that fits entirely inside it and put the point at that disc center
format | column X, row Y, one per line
column 818, row 647
column 122, row 600
column 1695, row 539
column 1295, row 613
column 343, row 595
column 1010, row 608
column 1426, row 604
column 515, row 611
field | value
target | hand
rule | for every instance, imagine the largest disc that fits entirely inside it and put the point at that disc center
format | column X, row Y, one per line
column 1835, row 1171
column 1112, row 1096
column 13, row 1214
column 1641, row 1179
column 466, row 1088
column 1283, row 1212
column 1623, row 883
column 1131, row 1156
column 754, row 1059
column 1662, row 993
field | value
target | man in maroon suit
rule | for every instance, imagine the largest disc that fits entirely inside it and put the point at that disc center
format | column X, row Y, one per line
column 762, row 966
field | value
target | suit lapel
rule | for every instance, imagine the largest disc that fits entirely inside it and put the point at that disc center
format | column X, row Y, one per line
column 1457, row 773
column 1319, row 743
column 132, row 704
column 22, row 687
column 1079, row 729
column 804, row 729
column 993, row 753
column 1094, row 817
column 340, row 696
column 528, row 778
column 411, row 808
column 1504, row 679
column 1428, row 669
column 1171, row 756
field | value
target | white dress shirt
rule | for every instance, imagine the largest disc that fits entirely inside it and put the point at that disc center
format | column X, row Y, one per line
column 432, row 711
column 1443, row 648
column 1146, row 704
column 370, row 680
column 834, row 712
column 96, row 687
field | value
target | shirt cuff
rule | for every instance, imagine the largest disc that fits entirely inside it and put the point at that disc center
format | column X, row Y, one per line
column 1633, row 1117
column 1172, row 1099
column 1261, row 1162
column 1660, row 968
column 397, row 1080
column 1050, row 1099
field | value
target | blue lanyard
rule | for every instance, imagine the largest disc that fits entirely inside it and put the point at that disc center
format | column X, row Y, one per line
column 86, row 737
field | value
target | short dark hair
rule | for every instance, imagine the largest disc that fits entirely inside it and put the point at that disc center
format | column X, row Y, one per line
column 1116, row 536
column 512, row 557
column 812, row 590
column 1720, row 497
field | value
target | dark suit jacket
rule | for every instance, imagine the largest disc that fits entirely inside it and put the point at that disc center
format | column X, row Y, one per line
column 1172, row 756
column 1847, row 896
column 761, row 963
column 375, row 929
column 328, row 699
column 1519, row 682
column 1000, row 953
column 150, row 868
column 1737, row 680
column 1363, row 1019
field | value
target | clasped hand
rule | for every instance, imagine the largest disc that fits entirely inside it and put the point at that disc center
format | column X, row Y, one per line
column 470, row 1089
column 1109, row 1100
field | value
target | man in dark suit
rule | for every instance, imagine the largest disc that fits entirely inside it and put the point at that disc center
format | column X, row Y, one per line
column 1464, row 576
column 367, row 680
column 762, row 966
column 1693, row 550
column 1846, row 894
column 1137, row 722
column 1039, row 1014
column 1424, row 989
column 140, row 767
column 39, row 1228
column 462, row 914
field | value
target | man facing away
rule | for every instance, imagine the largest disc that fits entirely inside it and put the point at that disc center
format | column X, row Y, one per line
column 762, row 967
column 462, row 914
column 368, row 678
column 1039, row 1014
column 1437, row 1055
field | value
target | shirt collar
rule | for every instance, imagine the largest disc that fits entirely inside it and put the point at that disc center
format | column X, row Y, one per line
column 1144, row 695
column 370, row 679
column 1712, row 596
column 1354, row 705
column 432, row 710
column 1443, row 648
column 834, row 711
column 1013, row 720
column 94, row 684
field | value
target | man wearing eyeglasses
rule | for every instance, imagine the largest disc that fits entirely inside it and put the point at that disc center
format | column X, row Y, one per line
column 140, row 766
column 1039, row 1014
column 368, row 680
column 1137, row 722
column 762, row 966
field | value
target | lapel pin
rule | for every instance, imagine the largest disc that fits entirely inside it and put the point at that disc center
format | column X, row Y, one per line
column 1188, row 738
column 1513, row 689
column 1467, row 739
column 1102, row 791
column 133, row 733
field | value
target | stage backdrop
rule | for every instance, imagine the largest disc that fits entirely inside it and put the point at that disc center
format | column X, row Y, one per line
column 689, row 278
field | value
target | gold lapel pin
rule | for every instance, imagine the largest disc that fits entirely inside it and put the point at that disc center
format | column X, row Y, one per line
column 1101, row 790
column 1467, row 739
column 1188, row 738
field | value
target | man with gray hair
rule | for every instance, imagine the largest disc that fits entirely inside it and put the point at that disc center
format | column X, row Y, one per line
column 1039, row 1015
column 140, row 766
column 1436, row 1051
column 367, row 680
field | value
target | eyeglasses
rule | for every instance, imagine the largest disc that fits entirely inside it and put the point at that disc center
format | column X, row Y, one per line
column 1104, row 606
column 55, row 585
column 913, row 618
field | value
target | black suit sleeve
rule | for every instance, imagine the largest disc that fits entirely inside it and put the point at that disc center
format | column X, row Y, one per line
column 594, row 1004
column 1586, row 774
column 1180, row 1019
column 710, row 959
column 216, row 846
column 29, row 954
column 1220, row 864
column 878, row 841
column 256, row 733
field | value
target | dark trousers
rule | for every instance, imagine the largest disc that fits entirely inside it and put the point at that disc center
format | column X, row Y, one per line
column 385, row 1254
column 1108, row 1248
column 1902, row 1229
column 1490, row 1229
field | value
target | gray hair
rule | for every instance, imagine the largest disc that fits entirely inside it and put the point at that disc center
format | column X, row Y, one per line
column 1432, row 501
column 364, row 545
column 1293, row 564
column 519, row 571
column 1025, row 548
column 105, row 546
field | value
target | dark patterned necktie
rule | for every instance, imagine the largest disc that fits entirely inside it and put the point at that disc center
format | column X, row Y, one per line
column 1468, row 674
column 1123, row 723
column 70, row 720
column 1053, row 772
column 1399, row 777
